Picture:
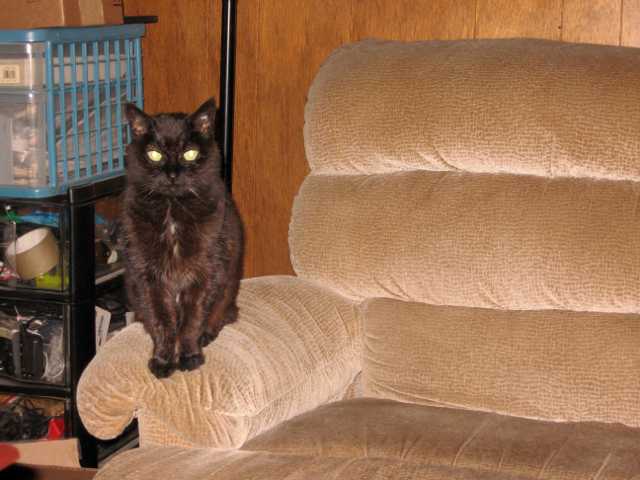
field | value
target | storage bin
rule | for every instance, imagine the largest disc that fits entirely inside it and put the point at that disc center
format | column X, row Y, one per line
column 33, row 342
column 109, row 240
column 35, row 335
column 62, row 92
column 32, row 417
column 28, row 227
column 23, row 151
column 34, row 248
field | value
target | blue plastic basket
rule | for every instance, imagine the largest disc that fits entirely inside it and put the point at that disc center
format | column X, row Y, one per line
column 76, row 80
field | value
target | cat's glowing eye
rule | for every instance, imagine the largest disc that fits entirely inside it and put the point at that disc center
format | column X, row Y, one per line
column 190, row 155
column 154, row 155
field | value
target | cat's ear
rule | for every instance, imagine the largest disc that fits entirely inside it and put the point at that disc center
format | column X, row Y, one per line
column 139, row 121
column 203, row 120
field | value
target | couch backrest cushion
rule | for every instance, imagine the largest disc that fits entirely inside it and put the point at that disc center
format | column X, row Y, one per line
column 489, row 106
column 494, row 173
column 550, row 364
column 498, row 183
column 494, row 241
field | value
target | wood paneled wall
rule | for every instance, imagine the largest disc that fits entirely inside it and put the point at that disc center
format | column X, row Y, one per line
column 280, row 46
column 181, row 53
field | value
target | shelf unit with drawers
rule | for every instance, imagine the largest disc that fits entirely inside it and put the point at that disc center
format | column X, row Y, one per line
column 62, row 139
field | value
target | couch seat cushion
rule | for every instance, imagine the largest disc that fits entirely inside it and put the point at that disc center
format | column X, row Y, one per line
column 435, row 435
column 154, row 463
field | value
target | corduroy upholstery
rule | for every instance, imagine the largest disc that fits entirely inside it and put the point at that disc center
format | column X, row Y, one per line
column 296, row 341
column 467, row 252
column 493, row 241
column 486, row 442
column 530, row 107
column 180, row 463
column 549, row 364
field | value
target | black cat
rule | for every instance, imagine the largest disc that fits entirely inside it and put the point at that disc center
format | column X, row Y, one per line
column 184, row 238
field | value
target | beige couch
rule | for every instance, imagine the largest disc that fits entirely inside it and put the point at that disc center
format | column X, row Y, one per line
column 467, row 250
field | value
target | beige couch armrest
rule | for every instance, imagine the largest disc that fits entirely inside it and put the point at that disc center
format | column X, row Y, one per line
column 296, row 345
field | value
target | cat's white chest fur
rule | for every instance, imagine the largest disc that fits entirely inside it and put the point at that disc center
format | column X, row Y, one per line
column 171, row 234
column 172, row 231
column 177, row 268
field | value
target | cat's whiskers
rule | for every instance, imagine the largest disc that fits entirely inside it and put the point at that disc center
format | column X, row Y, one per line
column 195, row 194
column 149, row 189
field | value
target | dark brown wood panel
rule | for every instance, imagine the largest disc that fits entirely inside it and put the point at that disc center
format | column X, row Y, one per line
column 246, row 133
column 293, row 40
column 282, row 35
column 181, row 53
column 413, row 19
column 592, row 21
column 524, row 18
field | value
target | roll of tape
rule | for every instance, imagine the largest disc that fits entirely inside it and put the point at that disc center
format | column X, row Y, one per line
column 33, row 254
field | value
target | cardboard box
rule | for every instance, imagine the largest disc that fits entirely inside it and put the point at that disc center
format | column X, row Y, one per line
column 47, row 460
column 36, row 472
column 60, row 453
column 28, row 14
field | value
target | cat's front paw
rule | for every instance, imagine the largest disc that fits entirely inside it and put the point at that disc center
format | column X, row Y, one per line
column 190, row 362
column 161, row 368
column 205, row 339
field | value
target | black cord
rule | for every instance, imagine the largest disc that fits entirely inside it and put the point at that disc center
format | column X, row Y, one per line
column 21, row 420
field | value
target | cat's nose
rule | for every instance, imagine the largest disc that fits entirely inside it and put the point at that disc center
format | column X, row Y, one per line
column 172, row 176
